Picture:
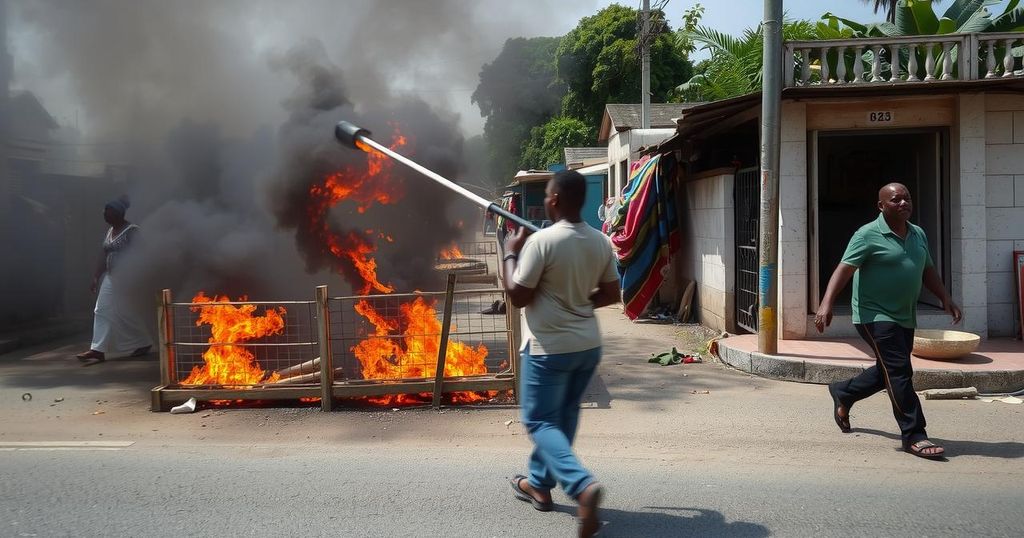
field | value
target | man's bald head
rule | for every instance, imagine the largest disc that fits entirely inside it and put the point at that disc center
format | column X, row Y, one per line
column 886, row 192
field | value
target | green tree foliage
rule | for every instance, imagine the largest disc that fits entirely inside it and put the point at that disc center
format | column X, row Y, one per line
column 734, row 67
column 598, row 62
column 685, row 43
column 918, row 17
column 517, row 91
column 547, row 142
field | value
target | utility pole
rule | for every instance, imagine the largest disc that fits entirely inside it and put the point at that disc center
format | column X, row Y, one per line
column 645, row 67
column 771, row 109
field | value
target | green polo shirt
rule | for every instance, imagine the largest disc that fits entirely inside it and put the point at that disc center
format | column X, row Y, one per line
column 889, row 270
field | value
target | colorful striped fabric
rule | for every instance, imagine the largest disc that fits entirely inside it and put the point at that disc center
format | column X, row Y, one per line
column 647, row 232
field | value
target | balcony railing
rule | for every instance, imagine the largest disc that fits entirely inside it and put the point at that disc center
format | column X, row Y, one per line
column 893, row 60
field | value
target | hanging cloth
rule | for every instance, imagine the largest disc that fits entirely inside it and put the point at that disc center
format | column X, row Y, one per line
column 648, row 232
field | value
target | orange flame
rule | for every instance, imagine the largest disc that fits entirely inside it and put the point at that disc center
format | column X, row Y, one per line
column 413, row 353
column 232, row 366
column 365, row 188
column 452, row 253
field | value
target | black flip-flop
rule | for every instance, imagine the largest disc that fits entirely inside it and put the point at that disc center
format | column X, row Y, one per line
column 522, row 495
column 843, row 423
column 918, row 447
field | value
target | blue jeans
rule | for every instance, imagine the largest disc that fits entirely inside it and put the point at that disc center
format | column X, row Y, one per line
column 551, row 387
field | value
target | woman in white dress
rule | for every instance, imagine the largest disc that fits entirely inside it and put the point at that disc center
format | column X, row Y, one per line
column 116, row 328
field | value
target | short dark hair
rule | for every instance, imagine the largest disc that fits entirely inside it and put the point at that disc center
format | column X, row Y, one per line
column 571, row 187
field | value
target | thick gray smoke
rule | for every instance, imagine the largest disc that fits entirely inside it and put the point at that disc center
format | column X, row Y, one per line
column 223, row 114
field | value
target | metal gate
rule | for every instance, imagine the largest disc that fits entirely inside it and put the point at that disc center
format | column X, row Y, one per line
column 748, row 195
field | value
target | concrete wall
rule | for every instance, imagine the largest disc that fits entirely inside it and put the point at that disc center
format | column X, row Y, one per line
column 622, row 146
column 793, row 230
column 708, row 250
column 1004, row 207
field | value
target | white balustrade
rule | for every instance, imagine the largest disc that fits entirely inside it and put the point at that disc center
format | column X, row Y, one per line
column 950, row 57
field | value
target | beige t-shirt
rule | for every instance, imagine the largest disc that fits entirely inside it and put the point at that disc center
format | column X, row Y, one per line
column 564, row 263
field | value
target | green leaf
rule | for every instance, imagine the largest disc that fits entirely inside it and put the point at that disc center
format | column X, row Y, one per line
column 1010, row 6
column 961, row 10
column 855, row 26
column 1010, row 21
column 905, row 23
column 924, row 16
column 946, row 26
column 979, row 21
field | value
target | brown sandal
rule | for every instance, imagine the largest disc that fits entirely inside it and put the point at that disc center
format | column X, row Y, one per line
column 918, row 448
column 91, row 354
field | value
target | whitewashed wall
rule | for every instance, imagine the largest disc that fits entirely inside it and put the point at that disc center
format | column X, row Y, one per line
column 708, row 250
column 1004, row 206
column 622, row 146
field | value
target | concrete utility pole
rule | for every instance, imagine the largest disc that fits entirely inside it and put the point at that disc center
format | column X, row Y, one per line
column 645, row 67
column 771, row 105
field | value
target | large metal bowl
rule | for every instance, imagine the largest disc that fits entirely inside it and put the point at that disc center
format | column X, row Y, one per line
column 939, row 344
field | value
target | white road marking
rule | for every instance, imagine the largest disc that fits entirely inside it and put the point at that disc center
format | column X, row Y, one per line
column 10, row 446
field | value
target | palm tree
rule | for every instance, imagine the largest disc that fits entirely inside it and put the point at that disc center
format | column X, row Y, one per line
column 889, row 6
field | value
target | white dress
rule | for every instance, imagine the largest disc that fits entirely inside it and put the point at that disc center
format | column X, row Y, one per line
column 116, row 327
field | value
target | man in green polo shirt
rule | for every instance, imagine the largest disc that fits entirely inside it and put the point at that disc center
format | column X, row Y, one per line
column 888, row 259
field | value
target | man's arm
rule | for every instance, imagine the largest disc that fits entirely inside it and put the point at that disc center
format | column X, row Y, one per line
column 607, row 293
column 933, row 282
column 840, row 277
column 518, row 295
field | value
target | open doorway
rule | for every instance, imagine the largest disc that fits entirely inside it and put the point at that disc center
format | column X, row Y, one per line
column 849, row 168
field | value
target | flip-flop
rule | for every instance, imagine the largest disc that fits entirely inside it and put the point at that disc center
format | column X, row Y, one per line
column 522, row 495
column 142, row 351
column 918, row 447
column 843, row 423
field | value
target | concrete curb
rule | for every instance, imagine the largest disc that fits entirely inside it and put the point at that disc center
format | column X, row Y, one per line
column 803, row 371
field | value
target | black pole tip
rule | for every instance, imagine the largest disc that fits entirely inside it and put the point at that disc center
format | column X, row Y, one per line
column 346, row 133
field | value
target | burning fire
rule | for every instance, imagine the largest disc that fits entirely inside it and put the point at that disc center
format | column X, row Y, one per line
column 353, row 251
column 451, row 253
column 232, row 366
column 413, row 353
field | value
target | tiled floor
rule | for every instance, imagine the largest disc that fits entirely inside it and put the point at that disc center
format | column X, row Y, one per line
column 991, row 355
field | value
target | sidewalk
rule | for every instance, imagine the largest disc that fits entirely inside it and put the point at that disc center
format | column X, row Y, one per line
column 997, row 366
column 39, row 332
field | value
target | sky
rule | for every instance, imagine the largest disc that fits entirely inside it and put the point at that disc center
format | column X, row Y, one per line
column 444, row 75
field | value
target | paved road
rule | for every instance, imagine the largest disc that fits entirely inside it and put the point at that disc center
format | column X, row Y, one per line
column 448, row 491
column 750, row 457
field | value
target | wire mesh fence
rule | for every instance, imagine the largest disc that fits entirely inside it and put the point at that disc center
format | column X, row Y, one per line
column 373, row 345
column 397, row 337
column 241, row 343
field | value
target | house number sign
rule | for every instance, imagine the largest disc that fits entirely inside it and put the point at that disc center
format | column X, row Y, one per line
column 880, row 116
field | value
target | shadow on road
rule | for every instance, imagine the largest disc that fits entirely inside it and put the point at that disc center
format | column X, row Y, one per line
column 1007, row 449
column 655, row 521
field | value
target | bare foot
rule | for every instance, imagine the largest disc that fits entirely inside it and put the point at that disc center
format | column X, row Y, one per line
column 589, row 502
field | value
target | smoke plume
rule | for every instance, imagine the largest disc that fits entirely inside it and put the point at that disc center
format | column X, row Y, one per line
column 223, row 114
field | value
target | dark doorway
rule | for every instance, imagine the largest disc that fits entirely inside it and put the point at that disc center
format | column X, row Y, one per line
column 852, row 167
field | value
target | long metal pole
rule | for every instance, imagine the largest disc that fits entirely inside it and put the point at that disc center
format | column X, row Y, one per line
column 771, row 105
column 352, row 135
column 645, row 67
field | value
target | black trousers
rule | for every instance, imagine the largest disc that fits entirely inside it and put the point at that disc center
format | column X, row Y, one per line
column 891, row 344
